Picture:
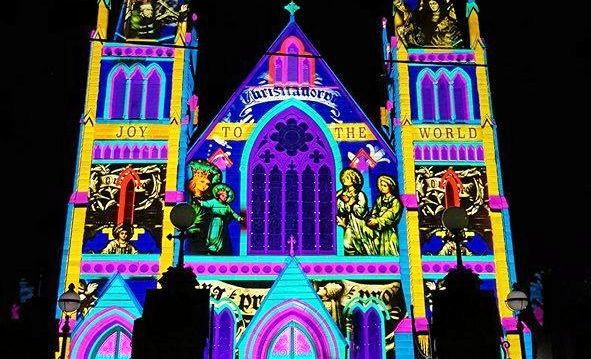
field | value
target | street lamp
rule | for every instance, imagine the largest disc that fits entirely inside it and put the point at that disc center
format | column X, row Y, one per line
column 518, row 301
column 68, row 302
column 182, row 217
column 455, row 220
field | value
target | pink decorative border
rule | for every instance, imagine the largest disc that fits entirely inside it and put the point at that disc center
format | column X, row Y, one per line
column 144, row 268
column 444, row 267
column 498, row 203
column 441, row 57
column 137, row 51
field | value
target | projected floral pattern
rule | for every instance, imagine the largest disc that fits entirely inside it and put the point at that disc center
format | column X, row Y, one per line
column 291, row 137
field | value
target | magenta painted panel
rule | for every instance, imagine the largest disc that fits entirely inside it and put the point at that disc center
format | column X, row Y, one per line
column 174, row 197
column 498, row 203
column 79, row 198
column 409, row 201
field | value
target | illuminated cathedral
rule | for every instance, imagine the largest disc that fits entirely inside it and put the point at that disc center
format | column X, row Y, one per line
column 317, row 227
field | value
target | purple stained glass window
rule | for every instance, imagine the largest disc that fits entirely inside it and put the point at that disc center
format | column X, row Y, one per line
column 435, row 152
column 444, row 99
column 292, row 189
column 136, row 92
column 153, row 95
column 461, row 98
column 278, row 70
column 326, row 216
column 426, row 153
column 275, row 200
column 118, row 89
column 154, row 152
column 309, row 217
column 292, row 63
column 428, row 99
column 223, row 346
column 257, row 208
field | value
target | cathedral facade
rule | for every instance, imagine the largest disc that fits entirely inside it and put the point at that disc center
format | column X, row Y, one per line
column 317, row 229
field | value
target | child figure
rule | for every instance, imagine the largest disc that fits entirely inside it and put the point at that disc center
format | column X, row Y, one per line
column 121, row 245
column 221, row 213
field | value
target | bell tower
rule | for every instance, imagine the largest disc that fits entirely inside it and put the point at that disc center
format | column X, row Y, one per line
column 139, row 113
column 440, row 118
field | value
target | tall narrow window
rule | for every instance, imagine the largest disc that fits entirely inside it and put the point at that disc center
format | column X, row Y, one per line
column 292, row 63
column 443, row 86
column 118, row 90
column 461, row 98
column 291, row 204
column 278, row 70
column 326, row 223
column 136, row 92
column 453, row 153
column 444, row 153
column 306, row 71
column 223, row 345
column 418, row 153
column 374, row 332
column 153, row 95
column 257, row 205
column 358, row 334
column 275, row 200
column 308, row 210
column 428, row 99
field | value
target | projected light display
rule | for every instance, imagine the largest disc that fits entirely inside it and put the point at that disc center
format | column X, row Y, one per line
column 316, row 229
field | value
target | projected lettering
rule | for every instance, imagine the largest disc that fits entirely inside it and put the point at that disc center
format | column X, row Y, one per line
column 131, row 132
column 446, row 133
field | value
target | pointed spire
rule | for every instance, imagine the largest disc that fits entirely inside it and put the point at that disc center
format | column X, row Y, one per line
column 291, row 8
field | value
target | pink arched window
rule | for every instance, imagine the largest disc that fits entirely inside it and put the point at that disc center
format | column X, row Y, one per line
column 278, row 70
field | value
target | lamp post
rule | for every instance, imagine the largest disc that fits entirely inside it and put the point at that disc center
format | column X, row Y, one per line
column 182, row 217
column 455, row 220
column 68, row 302
column 518, row 301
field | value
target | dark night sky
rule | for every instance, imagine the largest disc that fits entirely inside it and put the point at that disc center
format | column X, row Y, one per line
column 536, row 56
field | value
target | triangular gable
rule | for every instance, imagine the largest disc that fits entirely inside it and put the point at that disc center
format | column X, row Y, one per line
column 117, row 293
column 326, row 91
column 291, row 285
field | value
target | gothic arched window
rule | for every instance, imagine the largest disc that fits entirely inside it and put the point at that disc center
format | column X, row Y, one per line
column 460, row 93
column 135, row 92
column 278, row 70
column 427, row 99
column 443, row 97
column 115, row 344
column 292, row 192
